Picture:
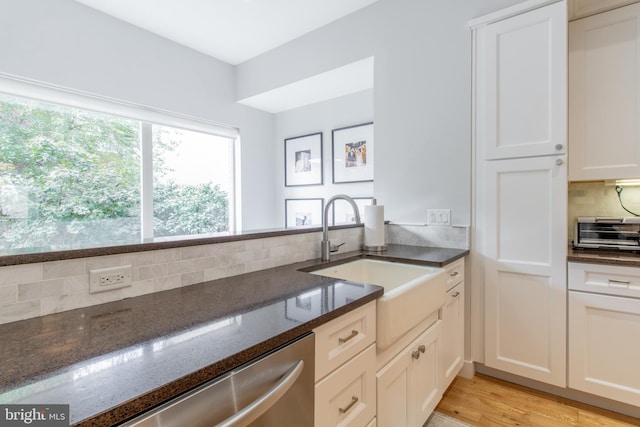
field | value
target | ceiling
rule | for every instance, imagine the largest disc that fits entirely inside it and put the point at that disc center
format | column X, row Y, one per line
column 230, row 30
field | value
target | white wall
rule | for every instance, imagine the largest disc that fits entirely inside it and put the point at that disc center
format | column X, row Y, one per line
column 64, row 43
column 422, row 95
column 322, row 117
column 422, row 91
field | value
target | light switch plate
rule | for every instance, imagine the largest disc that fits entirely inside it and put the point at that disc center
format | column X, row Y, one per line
column 439, row 217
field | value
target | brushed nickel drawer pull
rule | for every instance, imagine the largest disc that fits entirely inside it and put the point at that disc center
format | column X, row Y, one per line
column 354, row 400
column 620, row 282
column 354, row 334
column 422, row 348
column 415, row 354
column 455, row 294
column 454, row 274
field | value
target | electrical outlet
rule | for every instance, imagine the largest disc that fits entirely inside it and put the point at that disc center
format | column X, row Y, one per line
column 107, row 279
column 439, row 217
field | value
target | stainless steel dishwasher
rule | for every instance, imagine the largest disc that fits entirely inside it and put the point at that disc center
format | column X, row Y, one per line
column 275, row 390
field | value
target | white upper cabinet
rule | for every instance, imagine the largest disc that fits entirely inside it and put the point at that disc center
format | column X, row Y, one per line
column 582, row 8
column 522, row 75
column 604, row 94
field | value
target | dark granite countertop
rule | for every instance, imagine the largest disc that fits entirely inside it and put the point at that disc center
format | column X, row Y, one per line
column 611, row 257
column 113, row 361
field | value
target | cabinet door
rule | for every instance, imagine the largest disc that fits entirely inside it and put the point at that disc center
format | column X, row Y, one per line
column 395, row 403
column 409, row 386
column 604, row 88
column 604, row 346
column 425, row 376
column 525, row 267
column 522, row 84
column 452, row 335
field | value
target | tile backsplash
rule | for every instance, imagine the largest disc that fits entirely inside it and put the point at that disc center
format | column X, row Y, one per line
column 32, row 290
column 424, row 235
column 38, row 289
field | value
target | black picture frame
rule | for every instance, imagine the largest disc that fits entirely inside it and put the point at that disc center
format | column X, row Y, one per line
column 303, row 160
column 353, row 153
column 299, row 213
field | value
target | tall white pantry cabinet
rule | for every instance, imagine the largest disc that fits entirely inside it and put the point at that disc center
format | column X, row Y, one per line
column 520, row 196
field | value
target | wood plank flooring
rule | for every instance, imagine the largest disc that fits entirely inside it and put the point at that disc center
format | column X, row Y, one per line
column 486, row 401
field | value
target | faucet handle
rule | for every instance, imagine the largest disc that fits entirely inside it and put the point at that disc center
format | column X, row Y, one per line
column 335, row 248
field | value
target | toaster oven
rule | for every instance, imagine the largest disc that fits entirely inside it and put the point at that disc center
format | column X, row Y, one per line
column 607, row 233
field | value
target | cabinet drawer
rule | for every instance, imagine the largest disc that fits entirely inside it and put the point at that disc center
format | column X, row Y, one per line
column 347, row 397
column 342, row 338
column 605, row 279
column 455, row 273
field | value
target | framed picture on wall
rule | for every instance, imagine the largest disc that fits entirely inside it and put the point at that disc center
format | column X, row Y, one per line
column 343, row 212
column 303, row 160
column 353, row 153
column 303, row 212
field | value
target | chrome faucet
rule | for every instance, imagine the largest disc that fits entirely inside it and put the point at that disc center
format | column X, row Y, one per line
column 326, row 247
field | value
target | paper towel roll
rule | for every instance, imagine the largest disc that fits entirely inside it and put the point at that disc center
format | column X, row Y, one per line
column 374, row 227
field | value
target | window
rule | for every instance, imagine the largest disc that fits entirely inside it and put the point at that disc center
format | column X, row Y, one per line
column 72, row 178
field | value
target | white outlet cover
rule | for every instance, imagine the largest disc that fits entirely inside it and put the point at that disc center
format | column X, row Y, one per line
column 96, row 284
column 439, row 217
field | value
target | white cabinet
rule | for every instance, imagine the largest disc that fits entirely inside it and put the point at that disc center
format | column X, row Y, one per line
column 521, row 191
column 604, row 331
column 347, row 397
column 582, row 8
column 408, row 386
column 345, row 371
column 604, row 88
column 453, row 326
column 525, row 268
column 604, row 346
column 522, row 76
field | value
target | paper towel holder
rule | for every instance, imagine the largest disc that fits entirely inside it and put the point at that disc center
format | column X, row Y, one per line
column 378, row 248
column 374, row 248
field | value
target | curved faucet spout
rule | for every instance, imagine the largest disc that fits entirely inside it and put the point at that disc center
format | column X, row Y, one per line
column 325, row 246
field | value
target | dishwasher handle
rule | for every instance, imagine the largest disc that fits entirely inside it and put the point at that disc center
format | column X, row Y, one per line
column 259, row 406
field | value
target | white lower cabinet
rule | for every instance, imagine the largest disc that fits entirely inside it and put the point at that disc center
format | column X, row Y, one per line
column 345, row 371
column 408, row 386
column 452, row 335
column 347, row 397
column 452, row 316
column 604, row 331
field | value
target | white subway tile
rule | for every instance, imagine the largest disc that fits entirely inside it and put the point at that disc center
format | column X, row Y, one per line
column 152, row 271
column 56, row 269
column 192, row 278
column 96, row 263
column 20, row 311
column 138, row 259
column 26, row 273
column 76, row 284
column 166, row 255
column 8, row 294
column 57, row 304
column 37, row 290
column 204, row 251
column 166, row 283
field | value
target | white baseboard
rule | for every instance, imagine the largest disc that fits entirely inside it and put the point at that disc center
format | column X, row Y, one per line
column 579, row 396
column 468, row 369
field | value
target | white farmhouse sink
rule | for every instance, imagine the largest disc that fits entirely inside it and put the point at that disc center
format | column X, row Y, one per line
column 411, row 293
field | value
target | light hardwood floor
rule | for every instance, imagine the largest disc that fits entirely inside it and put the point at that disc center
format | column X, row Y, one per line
column 485, row 401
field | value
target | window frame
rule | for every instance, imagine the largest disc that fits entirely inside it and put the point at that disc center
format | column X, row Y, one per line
column 147, row 117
